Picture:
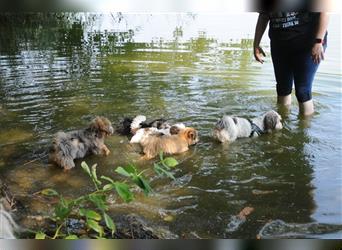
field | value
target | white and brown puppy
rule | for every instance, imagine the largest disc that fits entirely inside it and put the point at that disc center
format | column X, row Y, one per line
column 172, row 144
column 229, row 128
column 143, row 132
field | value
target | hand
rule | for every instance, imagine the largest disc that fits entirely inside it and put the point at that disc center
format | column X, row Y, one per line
column 259, row 54
column 317, row 53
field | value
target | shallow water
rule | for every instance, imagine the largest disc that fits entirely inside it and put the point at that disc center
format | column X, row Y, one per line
column 58, row 71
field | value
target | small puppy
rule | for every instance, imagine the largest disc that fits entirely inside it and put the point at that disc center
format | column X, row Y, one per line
column 229, row 128
column 77, row 144
column 130, row 126
column 145, row 132
column 172, row 144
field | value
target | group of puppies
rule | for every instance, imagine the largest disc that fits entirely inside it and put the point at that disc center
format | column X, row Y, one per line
column 154, row 136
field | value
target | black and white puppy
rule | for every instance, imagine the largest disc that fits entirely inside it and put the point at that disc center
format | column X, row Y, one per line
column 129, row 126
column 229, row 128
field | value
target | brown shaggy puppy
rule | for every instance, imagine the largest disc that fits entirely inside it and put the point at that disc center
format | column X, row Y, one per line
column 173, row 144
column 77, row 144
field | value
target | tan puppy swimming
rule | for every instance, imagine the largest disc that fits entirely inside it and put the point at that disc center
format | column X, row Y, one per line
column 173, row 144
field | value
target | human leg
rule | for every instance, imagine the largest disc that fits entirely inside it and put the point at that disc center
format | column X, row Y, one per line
column 283, row 72
column 284, row 100
column 306, row 108
column 304, row 73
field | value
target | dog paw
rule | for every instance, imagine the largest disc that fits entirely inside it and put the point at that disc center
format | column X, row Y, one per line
column 107, row 152
column 145, row 158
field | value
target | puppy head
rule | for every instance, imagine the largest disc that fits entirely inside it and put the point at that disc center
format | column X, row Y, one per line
column 190, row 135
column 272, row 121
column 160, row 124
column 126, row 125
column 174, row 129
column 101, row 125
column 220, row 131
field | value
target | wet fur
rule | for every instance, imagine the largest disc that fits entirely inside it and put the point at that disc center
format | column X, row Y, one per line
column 129, row 126
column 173, row 144
column 67, row 147
column 142, row 133
column 229, row 128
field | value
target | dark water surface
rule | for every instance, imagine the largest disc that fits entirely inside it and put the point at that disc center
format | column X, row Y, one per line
column 58, row 71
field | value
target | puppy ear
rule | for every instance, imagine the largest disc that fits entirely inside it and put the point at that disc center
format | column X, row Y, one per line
column 95, row 124
column 174, row 130
column 99, row 125
column 191, row 135
column 220, row 125
column 270, row 120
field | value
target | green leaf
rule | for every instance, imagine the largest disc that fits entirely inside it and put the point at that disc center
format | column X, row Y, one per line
column 131, row 169
column 83, row 211
column 108, row 187
column 161, row 171
column 145, row 185
column 99, row 201
column 127, row 171
column 94, row 175
column 109, row 223
column 156, row 168
column 100, row 238
column 49, row 192
column 107, row 179
column 95, row 226
column 85, row 167
column 91, row 214
column 65, row 202
column 122, row 171
column 62, row 209
column 170, row 162
column 40, row 236
column 78, row 201
column 123, row 191
column 161, row 157
column 71, row 237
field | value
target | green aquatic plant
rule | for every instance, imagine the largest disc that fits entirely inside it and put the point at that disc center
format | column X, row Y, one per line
column 163, row 167
column 92, row 207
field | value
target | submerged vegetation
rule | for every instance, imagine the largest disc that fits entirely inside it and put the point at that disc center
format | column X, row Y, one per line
column 91, row 208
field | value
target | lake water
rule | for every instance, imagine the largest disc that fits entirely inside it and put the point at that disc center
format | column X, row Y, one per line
column 59, row 71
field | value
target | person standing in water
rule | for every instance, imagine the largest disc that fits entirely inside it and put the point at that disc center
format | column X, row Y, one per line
column 298, row 43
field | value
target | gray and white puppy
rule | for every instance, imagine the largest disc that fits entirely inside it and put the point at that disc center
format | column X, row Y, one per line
column 229, row 128
column 67, row 147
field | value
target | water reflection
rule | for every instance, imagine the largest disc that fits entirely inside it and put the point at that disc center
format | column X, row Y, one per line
column 61, row 69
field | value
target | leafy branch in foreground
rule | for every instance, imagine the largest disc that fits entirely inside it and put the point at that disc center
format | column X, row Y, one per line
column 97, row 220
column 163, row 167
